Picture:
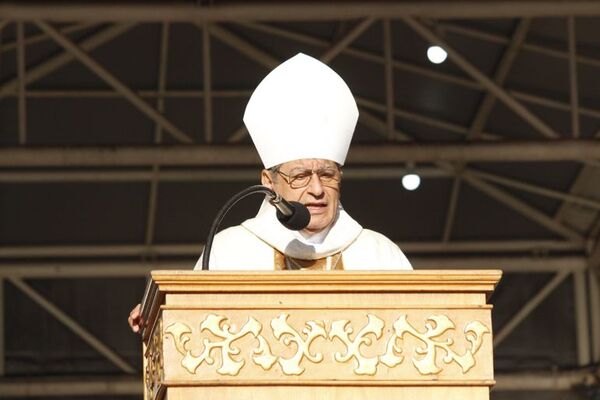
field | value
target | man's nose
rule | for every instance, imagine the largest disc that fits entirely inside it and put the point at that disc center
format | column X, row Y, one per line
column 315, row 187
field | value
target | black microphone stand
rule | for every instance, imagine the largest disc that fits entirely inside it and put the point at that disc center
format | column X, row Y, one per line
column 273, row 198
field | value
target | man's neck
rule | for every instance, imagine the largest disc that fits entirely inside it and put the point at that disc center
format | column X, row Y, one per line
column 315, row 237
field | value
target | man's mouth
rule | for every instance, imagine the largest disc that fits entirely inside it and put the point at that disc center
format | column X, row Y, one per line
column 316, row 208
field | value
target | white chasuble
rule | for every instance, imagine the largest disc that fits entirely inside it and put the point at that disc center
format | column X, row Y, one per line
column 254, row 245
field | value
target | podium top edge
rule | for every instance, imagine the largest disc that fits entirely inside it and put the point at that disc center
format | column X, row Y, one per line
column 163, row 282
column 485, row 271
column 243, row 278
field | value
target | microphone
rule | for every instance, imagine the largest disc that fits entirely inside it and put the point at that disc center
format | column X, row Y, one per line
column 292, row 214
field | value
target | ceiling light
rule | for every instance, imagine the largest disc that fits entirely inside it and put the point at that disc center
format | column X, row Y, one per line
column 436, row 54
column 411, row 181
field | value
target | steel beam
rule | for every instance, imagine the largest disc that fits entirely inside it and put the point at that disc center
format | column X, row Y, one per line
column 523, row 208
column 534, row 247
column 243, row 46
column 199, row 175
column 481, row 116
column 499, row 39
column 73, row 325
column 581, row 318
column 121, row 269
column 55, row 62
column 145, row 94
column 516, row 265
column 53, row 386
column 113, row 81
column 216, row 155
column 66, row 270
column 528, row 307
column 33, row 39
column 594, row 257
column 574, row 90
column 366, row 118
column 22, row 112
column 3, row 23
column 551, row 103
column 543, row 381
column 237, row 136
column 363, row 55
column 583, row 184
column 390, row 117
column 160, row 106
column 486, row 82
column 207, row 83
column 408, row 67
column 452, row 205
column 298, row 11
column 518, row 205
column 422, row 119
column 539, row 190
column 2, row 330
column 422, row 71
column 270, row 62
column 504, row 66
column 594, row 314
column 345, row 41
column 372, row 122
column 491, row 190
column 250, row 51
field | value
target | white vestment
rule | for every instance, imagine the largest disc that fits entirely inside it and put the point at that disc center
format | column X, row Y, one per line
column 250, row 246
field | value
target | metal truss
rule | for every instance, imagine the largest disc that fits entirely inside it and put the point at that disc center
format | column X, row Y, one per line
column 576, row 150
column 450, row 160
column 72, row 325
column 298, row 11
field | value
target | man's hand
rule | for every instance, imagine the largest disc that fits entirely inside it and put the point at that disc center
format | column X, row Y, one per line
column 135, row 319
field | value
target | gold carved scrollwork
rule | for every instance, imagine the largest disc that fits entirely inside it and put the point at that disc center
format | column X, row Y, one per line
column 391, row 357
column 232, row 361
column 342, row 330
column 436, row 327
column 262, row 355
column 153, row 373
column 216, row 325
column 283, row 331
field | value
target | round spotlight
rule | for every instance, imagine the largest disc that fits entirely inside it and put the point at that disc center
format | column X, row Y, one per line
column 411, row 181
column 436, row 54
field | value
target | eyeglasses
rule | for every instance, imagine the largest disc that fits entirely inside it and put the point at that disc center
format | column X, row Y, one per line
column 299, row 178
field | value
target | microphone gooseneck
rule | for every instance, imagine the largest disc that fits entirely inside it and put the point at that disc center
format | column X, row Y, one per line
column 293, row 215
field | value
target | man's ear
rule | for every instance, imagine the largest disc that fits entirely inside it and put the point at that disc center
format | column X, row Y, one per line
column 266, row 179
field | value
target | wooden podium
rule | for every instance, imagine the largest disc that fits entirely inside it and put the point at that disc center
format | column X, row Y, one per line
column 318, row 335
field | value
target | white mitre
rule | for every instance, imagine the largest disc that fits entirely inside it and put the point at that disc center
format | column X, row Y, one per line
column 301, row 109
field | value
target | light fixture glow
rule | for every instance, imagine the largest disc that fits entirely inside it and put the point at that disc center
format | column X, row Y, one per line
column 411, row 181
column 436, row 54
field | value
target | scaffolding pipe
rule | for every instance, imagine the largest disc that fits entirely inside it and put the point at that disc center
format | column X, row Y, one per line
column 297, row 11
column 238, row 155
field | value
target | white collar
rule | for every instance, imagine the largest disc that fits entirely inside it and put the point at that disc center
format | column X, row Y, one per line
column 340, row 235
column 315, row 238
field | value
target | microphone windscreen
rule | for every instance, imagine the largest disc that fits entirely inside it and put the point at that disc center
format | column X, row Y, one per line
column 299, row 219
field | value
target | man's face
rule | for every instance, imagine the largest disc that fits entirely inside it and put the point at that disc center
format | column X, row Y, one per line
column 320, row 196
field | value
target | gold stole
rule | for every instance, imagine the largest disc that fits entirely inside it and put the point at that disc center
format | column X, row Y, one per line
column 282, row 262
